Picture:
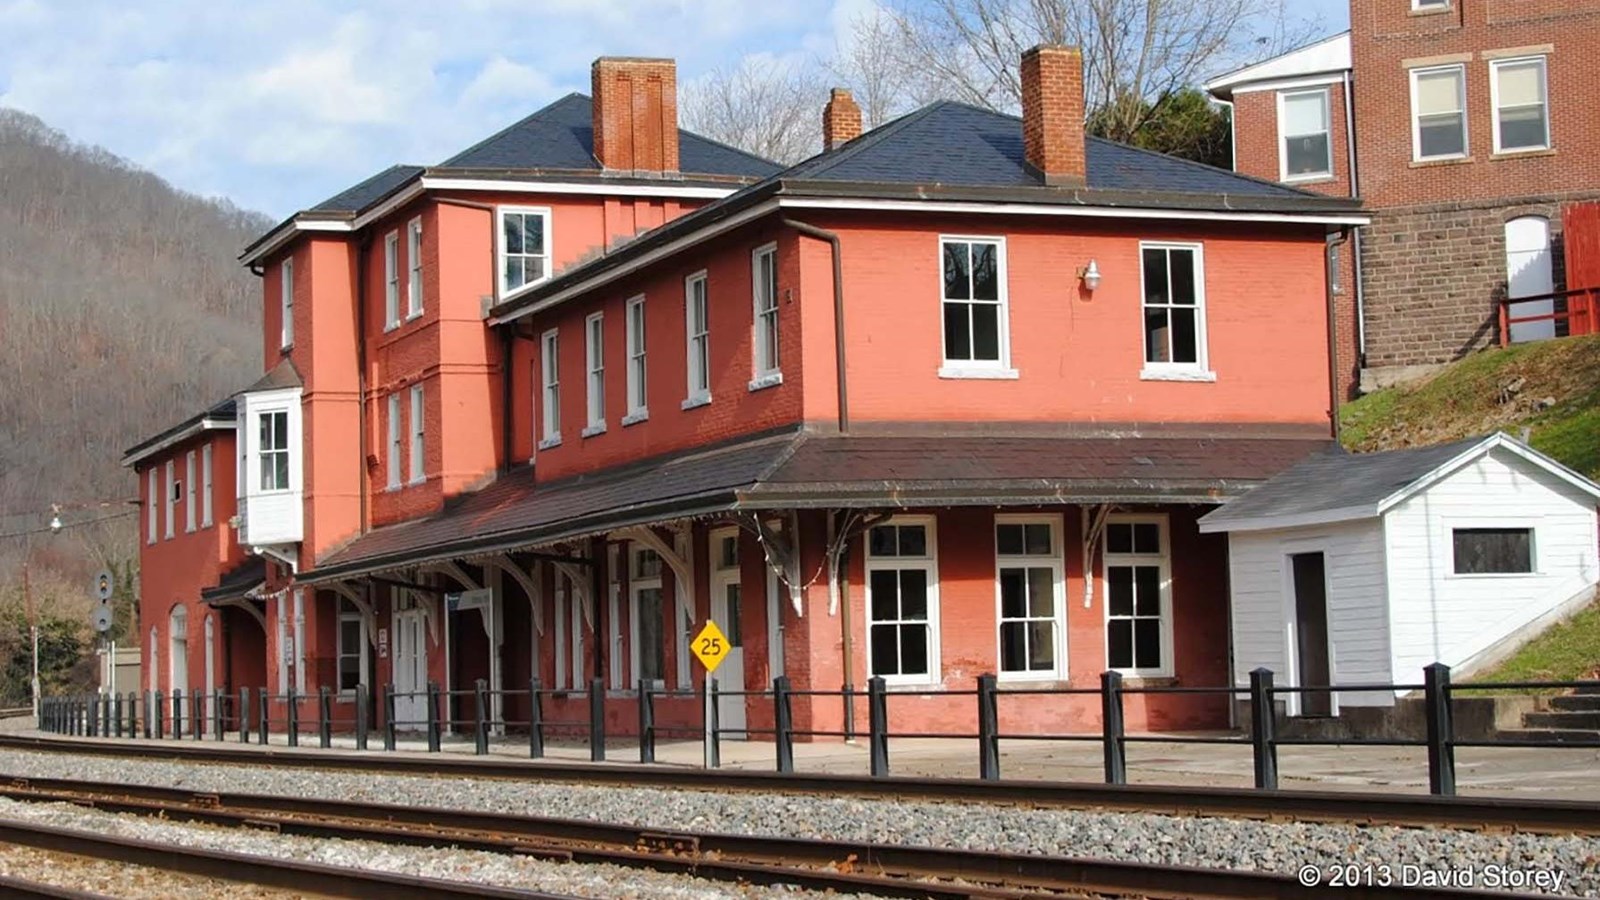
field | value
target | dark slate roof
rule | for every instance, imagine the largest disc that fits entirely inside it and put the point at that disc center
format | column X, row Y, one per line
column 221, row 412
column 283, row 375
column 358, row 197
column 237, row 582
column 561, row 136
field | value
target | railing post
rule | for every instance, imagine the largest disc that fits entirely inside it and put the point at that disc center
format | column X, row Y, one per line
column 244, row 715
column 597, row 720
column 783, row 723
column 878, row 725
column 1441, row 730
column 1505, row 323
column 133, row 714
column 325, row 716
column 535, row 720
column 105, row 715
column 433, row 717
column 294, row 718
column 177, row 714
column 216, row 713
column 848, row 692
column 1112, row 728
column 363, row 714
column 92, row 717
column 197, row 713
column 157, row 709
column 263, row 733
column 1263, row 727
column 480, row 715
column 388, row 717
column 988, row 727
column 647, row 723
column 713, row 724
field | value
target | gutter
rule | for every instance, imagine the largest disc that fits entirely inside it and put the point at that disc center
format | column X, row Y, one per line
column 1355, row 194
column 838, row 312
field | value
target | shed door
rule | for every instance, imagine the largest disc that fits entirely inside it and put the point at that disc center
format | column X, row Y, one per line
column 1312, row 666
column 1529, row 274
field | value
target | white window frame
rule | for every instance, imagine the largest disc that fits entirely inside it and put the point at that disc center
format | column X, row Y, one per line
column 636, row 586
column 152, row 506
column 1429, row 5
column 177, row 633
column 349, row 613
column 635, row 329
column 172, row 500
column 1200, row 369
column 1448, row 525
column 263, row 452
column 1164, row 560
column 550, row 389
column 299, row 658
column 1495, row 66
column 500, row 254
column 1326, row 94
column 978, row 368
column 286, row 303
column 1416, row 118
column 189, row 505
column 928, row 564
column 205, row 477
column 1055, row 562
column 391, row 281
column 619, row 675
column 594, row 383
column 393, row 461
column 697, row 340
column 419, row 459
column 414, row 268
column 765, row 372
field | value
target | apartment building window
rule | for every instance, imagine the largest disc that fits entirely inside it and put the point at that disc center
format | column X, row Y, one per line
column 524, row 247
column 697, row 325
column 1174, row 310
column 352, row 648
column 1439, row 112
column 1521, row 104
column 414, row 268
column 1031, row 596
column 190, row 508
column 172, row 499
column 391, row 281
column 902, row 602
column 1138, row 595
column 764, row 290
column 594, row 355
column 1303, row 123
column 205, row 478
column 394, row 441
column 973, row 301
column 286, row 302
column 418, row 456
column 550, row 372
column 152, row 509
column 273, row 449
column 646, row 616
column 638, row 406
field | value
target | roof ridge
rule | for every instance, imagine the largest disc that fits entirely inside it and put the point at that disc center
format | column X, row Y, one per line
column 830, row 158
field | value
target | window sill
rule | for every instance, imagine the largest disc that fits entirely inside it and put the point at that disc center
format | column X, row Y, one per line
column 634, row 418
column 1034, row 679
column 1436, row 11
column 420, row 479
column 392, row 486
column 1144, row 678
column 919, row 685
column 771, row 379
column 549, row 442
column 1298, row 180
column 413, row 316
column 1491, row 576
column 980, row 373
column 1196, row 375
column 594, row 430
column 286, row 347
column 391, row 326
column 1441, row 161
column 696, row 402
column 1530, row 153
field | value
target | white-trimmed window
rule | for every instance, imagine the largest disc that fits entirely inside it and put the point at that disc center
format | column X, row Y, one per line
column 298, row 658
column 638, row 395
column 152, row 506
column 1429, row 5
column 524, row 246
column 1520, row 93
column 353, row 660
column 903, row 601
column 765, row 361
column 418, row 455
column 1173, row 278
column 594, row 356
column 178, row 650
column 1305, row 146
column 414, row 268
column 205, row 486
column 550, row 378
column 973, row 307
column 394, row 440
column 391, row 280
column 1138, row 589
column 697, row 327
column 1439, row 112
column 1032, row 595
column 286, row 301
column 172, row 499
column 273, row 450
column 646, row 616
column 1493, row 551
column 190, row 508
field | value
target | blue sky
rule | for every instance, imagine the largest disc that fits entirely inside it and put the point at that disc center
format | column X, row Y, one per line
column 276, row 105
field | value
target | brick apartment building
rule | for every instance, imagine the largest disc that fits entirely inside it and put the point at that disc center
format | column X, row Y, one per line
column 1473, row 131
column 945, row 399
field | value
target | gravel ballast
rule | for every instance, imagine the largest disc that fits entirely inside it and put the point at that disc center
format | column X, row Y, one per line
column 1282, row 848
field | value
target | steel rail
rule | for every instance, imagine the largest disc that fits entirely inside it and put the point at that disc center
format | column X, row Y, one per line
column 14, row 888
column 843, row 866
column 1363, row 808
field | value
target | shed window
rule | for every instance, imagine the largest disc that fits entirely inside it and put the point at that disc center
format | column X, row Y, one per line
column 1493, row 551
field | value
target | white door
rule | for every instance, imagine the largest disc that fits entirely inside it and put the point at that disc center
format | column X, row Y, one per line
column 727, row 611
column 1528, row 274
column 410, row 670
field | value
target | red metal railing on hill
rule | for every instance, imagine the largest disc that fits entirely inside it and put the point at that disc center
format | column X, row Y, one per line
column 1582, row 305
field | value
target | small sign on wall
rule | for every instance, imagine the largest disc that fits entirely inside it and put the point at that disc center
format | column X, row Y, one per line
column 383, row 643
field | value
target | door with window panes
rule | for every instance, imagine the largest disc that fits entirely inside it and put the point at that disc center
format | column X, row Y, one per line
column 1137, row 599
column 902, row 602
column 1028, row 574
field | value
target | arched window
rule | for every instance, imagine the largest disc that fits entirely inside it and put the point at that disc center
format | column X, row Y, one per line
column 1529, row 273
column 178, row 655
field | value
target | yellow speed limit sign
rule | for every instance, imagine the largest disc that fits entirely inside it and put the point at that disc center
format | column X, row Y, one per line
column 710, row 646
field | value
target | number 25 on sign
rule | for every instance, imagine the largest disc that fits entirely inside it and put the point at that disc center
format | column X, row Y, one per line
column 710, row 646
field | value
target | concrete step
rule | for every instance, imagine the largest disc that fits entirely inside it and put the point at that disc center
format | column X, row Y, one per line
column 1559, row 735
column 1563, row 719
column 1576, row 703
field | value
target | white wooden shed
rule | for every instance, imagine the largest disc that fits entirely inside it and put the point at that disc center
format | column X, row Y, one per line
column 1364, row 568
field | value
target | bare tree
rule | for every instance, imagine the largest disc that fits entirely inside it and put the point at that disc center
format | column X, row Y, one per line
column 770, row 107
column 865, row 60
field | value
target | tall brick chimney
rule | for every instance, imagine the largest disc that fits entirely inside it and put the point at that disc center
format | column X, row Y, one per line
column 1052, row 114
column 635, row 114
column 841, row 119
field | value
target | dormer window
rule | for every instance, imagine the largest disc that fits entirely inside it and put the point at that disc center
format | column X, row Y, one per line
column 524, row 247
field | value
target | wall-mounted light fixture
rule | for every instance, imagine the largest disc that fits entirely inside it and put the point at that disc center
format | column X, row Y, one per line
column 1091, row 276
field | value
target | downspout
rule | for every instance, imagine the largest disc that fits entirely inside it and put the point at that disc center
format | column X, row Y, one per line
column 363, row 244
column 1355, row 236
column 1333, row 334
column 838, row 332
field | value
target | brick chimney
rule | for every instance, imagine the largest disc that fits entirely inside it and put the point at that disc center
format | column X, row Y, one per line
column 635, row 114
column 841, row 119
column 1052, row 114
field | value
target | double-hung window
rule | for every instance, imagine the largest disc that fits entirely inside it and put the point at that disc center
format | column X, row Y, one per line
column 273, row 450
column 172, row 499
column 352, row 648
column 205, row 478
column 524, row 247
column 391, row 280
column 414, row 268
column 394, row 440
column 418, row 456
column 647, row 616
column 697, row 326
column 1521, row 104
column 903, row 602
column 152, row 509
column 638, row 396
column 764, row 333
column 190, row 508
column 550, row 376
column 286, row 301
column 1174, row 310
column 1138, row 595
column 1306, row 151
column 1031, row 594
column 1439, row 112
column 973, row 306
column 594, row 354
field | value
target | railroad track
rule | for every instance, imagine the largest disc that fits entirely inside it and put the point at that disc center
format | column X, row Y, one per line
column 847, row 867
column 22, row 889
column 1415, row 810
